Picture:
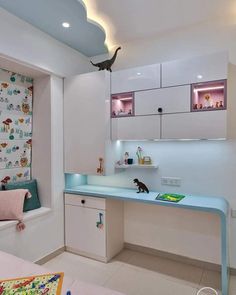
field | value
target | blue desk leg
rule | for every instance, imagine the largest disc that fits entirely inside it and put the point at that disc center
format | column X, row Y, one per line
column 224, row 256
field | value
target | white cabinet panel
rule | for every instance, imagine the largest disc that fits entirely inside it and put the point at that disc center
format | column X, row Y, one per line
column 82, row 233
column 171, row 100
column 193, row 70
column 140, row 78
column 196, row 125
column 86, row 121
column 135, row 128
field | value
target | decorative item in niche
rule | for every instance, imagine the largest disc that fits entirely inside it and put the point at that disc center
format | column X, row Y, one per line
column 141, row 186
column 209, row 96
column 122, row 105
column 16, row 95
column 106, row 64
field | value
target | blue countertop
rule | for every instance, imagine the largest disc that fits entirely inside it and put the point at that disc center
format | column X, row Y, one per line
column 217, row 205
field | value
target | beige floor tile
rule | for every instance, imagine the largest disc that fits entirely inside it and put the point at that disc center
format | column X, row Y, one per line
column 211, row 279
column 82, row 268
column 124, row 256
column 131, row 281
column 155, row 284
column 124, row 280
column 172, row 270
column 133, row 273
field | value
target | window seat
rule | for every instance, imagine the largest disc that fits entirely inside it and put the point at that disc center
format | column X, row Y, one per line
column 27, row 216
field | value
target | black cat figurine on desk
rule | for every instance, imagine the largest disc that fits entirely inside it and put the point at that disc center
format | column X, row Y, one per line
column 141, row 186
column 106, row 64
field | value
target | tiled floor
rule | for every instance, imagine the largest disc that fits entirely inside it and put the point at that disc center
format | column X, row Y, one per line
column 134, row 273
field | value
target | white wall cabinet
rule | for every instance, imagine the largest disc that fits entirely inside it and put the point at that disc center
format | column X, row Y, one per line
column 87, row 123
column 139, row 78
column 194, row 70
column 93, row 226
column 136, row 128
column 195, row 125
column 171, row 100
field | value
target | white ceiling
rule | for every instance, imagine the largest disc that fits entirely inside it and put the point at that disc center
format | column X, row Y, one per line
column 128, row 20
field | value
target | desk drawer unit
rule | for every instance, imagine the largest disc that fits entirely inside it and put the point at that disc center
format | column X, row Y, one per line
column 93, row 226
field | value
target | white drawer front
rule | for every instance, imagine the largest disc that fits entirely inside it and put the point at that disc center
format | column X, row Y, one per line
column 209, row 68
column 171, row 100
column 139, row 78
column 198, row 125
column 85, row 201
column 135, row 128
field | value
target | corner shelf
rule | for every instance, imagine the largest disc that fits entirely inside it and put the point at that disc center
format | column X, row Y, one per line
column 123, row 166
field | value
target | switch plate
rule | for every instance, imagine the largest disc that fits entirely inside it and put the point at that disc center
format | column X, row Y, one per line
column 171, row 181
column 233, row 213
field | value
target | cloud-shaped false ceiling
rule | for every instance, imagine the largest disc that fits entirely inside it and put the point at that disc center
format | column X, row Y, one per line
column 48, row 16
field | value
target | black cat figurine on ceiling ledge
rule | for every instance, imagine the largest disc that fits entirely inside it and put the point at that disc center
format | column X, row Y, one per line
column 106, row 64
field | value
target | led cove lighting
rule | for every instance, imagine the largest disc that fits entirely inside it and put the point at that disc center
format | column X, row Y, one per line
column 208, row 88
column 66, row 25
column 126, row 98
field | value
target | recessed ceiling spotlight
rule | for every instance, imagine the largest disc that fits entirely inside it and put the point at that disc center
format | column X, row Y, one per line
column 199, row 77
column 139, row 74
column 66, row 25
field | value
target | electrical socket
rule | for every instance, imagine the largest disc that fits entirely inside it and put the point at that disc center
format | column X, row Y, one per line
column 171, row 181
column 233, row 213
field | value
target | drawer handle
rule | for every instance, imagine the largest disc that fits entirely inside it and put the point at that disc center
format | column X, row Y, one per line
column 160, row 110
column 82, row 201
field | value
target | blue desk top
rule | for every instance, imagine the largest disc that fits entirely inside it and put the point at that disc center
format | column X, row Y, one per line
column 209, row 204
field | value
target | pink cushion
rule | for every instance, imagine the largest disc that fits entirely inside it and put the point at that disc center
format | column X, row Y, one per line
column 11, row 204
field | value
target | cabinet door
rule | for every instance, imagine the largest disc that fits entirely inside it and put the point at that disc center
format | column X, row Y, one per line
column 82, row 230
column 199, row 69
column 171, row 100
column 139, row 78
column 135, row 128
column 86, row 121
column 196, row 125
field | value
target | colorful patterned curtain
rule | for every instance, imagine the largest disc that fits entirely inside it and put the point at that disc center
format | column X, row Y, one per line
column 16, row 97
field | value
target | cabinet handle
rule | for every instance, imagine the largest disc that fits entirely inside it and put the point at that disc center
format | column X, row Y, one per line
column 82, row 201
column 160, row 110
column 100, row 224
column 100, row 169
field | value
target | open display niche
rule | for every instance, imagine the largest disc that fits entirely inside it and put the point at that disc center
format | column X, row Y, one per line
column 122, row 105
column 209, row 96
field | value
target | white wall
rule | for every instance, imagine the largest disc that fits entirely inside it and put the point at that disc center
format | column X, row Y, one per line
column 205, row 167
column 28, row 45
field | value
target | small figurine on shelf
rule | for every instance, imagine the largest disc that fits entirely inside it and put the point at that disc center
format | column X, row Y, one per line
column 120, row 112
column 200, row 106
column 207, row 98
column 217, row 105
column 195, row 106
column 130, row 112
column 126, row 158
column 139, row 154
column 221, row 104
column 113, row 113
column 147, row 160
column 141, row 186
